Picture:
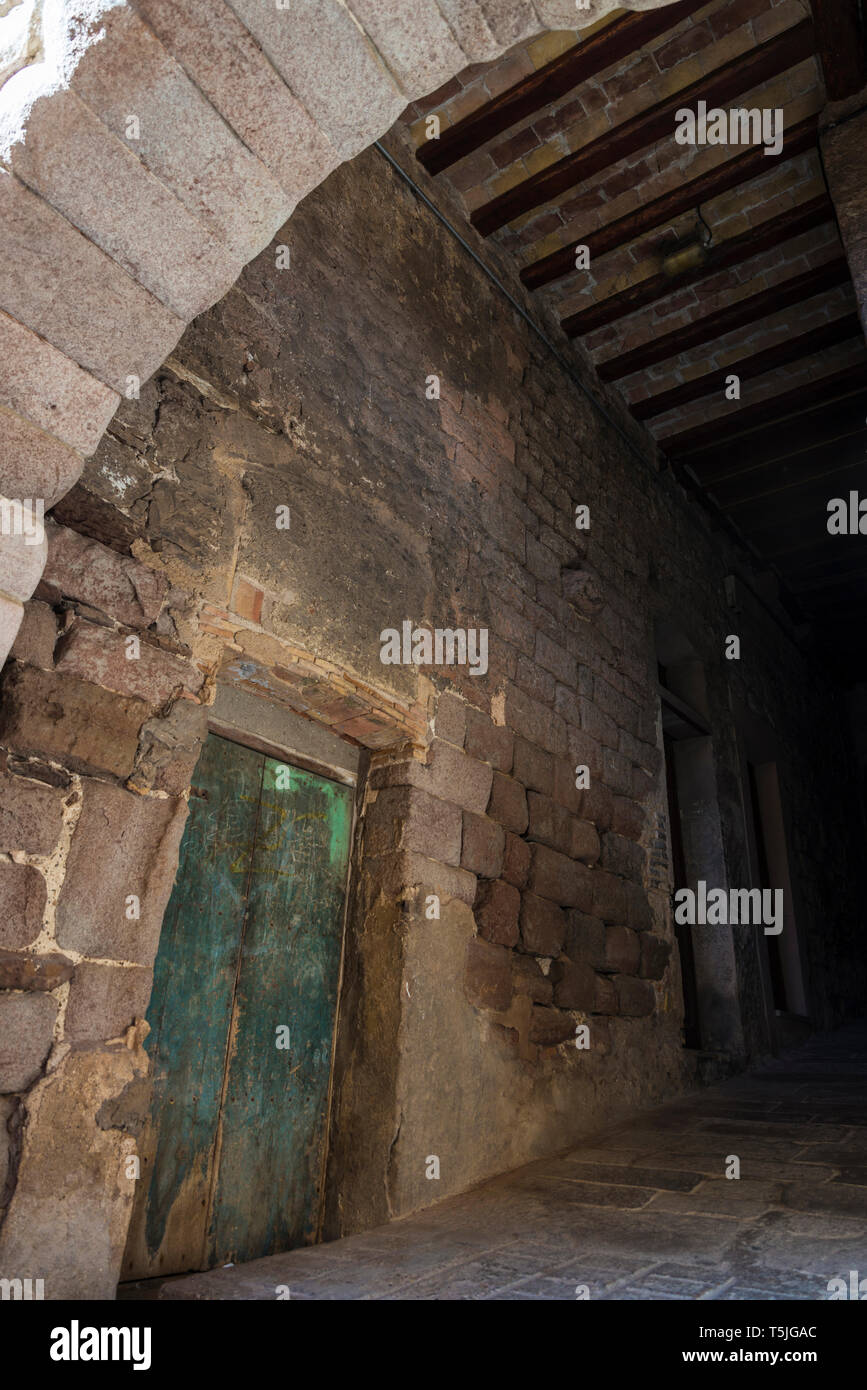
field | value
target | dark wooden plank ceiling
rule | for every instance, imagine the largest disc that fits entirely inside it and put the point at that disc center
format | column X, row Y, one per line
column 773, row 232
column 704, row 262
column 601, row 50
column 657, row 122
column 740, row 169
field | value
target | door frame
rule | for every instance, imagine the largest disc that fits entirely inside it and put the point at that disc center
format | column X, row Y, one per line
column 758, row 746
column 284, row 753
column 241, row 738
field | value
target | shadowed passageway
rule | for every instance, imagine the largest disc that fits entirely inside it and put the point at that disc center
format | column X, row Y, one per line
column 642, row 1211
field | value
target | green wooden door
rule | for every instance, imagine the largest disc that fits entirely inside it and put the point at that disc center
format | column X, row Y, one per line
column 242, row 1017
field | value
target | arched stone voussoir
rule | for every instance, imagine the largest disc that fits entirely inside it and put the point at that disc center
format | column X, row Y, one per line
column 23, row 553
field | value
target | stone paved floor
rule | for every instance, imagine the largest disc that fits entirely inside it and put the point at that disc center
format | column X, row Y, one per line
column 642, row 1211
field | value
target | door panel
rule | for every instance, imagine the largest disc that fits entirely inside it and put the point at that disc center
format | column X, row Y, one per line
column 231, row 1154
column 273, row 1122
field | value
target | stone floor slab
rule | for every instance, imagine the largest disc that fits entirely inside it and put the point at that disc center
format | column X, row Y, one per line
column 642, row 1211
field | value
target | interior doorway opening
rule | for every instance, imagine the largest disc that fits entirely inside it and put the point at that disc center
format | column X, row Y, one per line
column 680, row 722
column 768, row 852
column 712, row 1019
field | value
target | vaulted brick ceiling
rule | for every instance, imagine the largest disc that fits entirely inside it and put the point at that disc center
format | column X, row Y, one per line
column 569, row 141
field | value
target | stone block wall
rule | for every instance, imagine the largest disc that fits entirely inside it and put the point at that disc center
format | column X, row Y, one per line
column 89, row 833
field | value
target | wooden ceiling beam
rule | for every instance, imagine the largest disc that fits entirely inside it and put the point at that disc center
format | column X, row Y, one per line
column 840, row 41
column 846, row 614
column 757, row 364
column 819, row 566
column 718, row 88
column 607, row 47
column 788, row 405
column 765, row 236
column 802, row 517
column 742, row 489
column 750, row 164
column 828, row 561
column 836, row 577
column 706, row 327
column 821, row 559
column 776, row 443
column 806, row 554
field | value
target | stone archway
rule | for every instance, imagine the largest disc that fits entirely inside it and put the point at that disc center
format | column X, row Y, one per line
column 118, row 121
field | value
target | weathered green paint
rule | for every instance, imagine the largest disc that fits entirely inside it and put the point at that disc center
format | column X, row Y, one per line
column 273, row 1124
column 251, row 941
